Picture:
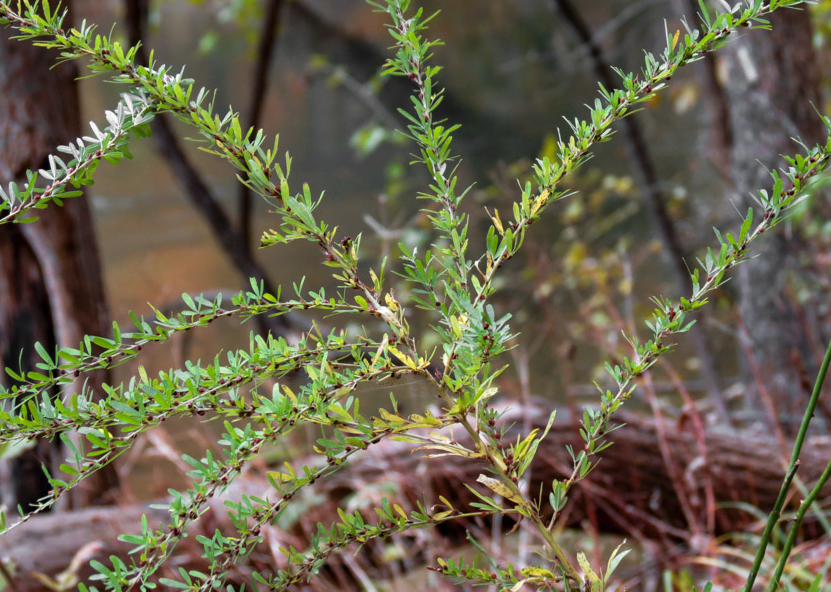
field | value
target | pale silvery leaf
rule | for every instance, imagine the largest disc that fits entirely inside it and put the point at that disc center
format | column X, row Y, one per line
column 113, row 118
column 728, row 8
column 143, row 118
column 98, row 135
column 70, row 149
column 61, row 164
column 200, row 96
column 54, row 165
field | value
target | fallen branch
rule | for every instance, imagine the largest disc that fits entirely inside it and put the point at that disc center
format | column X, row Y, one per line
column 636, row 491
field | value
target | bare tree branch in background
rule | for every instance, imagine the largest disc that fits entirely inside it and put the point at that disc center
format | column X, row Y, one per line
column 232, row 241
column 655, row 201
column 265, row 52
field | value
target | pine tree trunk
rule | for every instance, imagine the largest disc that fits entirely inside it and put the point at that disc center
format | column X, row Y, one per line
column 51, row 287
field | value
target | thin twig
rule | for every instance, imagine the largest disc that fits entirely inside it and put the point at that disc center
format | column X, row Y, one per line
column 265, row 52
column 669, row 462
column 701, row 444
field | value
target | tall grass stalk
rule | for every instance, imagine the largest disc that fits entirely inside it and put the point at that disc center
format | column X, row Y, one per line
column 776, row 513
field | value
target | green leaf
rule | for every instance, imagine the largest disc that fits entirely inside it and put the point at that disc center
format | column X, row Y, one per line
column 44, row 354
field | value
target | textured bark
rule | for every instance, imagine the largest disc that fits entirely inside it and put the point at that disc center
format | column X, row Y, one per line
column 24, row 320
column 51, row 289
column 772, row 86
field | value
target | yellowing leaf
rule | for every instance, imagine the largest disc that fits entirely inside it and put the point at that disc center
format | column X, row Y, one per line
column 675, row 38
column 280, row 477
column 449, row 450
column 389, row 417
column 407, row 360
column 497, row 222
column 587, row 568
column 440, row 438
column 540, row 201
column 537, row 572
column 428, row 420
column 500, row 488
column 429, row 417
column 520, row 449
column 339, row 411
column 401, row 511
column 289, row 393
column 381, row 349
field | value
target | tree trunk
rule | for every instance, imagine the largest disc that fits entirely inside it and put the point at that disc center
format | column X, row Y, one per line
column 773, row 89
column 24, row 320
column 51, row 287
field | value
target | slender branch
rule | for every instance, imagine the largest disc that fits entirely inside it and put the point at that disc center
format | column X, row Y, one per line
column 266, row 513
column 655, row 199
column 804, row 506
column 18, row 201
column 614, row 106
column 68, row 363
